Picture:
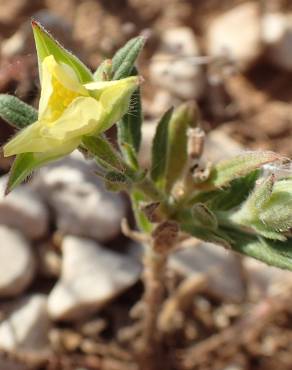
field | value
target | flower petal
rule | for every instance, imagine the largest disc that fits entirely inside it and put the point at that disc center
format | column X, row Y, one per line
column 116, row 98
column 82, row 117
column 28, row 140
column 60, row 85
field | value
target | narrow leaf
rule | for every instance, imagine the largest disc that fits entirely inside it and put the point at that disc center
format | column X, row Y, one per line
column 130, row 156
column 143, row 223
column 204, row 217
column 226, row 171
column 17, row 113
column 181, row 119
column 211, row 236
column 159, row 149
column 129, row 128
column 125, row 58
column 274, row 253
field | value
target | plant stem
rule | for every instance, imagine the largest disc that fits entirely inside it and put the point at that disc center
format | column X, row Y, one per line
column 154, row 272
column 149, row 189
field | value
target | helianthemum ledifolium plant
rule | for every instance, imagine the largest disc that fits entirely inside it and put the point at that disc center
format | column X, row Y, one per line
column 234, row 203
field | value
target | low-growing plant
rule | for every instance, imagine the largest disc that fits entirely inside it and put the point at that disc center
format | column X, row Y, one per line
column 237, row 203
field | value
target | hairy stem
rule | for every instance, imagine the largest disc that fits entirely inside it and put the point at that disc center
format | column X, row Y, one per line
column 154, row 272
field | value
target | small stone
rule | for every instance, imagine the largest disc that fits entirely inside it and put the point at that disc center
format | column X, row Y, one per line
column 49, row 261
column 91, row 277
column 222, row 267
column 277, row 35
column 236, row 34
column 174, row 67
column 17, row 265
column 25, row 331
column 77, row 197
column 22, row 209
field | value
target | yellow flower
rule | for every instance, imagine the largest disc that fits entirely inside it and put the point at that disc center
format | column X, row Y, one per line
column 69, row 110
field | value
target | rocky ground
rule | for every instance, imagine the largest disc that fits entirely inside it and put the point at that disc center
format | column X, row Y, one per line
column 68, row 278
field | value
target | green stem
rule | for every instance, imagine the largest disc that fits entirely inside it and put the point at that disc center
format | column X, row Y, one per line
column 147, row 187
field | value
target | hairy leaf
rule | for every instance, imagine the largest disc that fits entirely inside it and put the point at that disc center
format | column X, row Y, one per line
column 177, row 144
column 230, row 169
column 274, row 253
column 125, row 58
column 16, row 112
column 138, row 199
column 204, row 217
column 129, row 127
column 159, row 149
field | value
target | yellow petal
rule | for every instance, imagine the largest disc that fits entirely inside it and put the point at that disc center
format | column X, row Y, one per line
column 115, row 99
column 82, row 117
column 60, row 86
column 29, row 140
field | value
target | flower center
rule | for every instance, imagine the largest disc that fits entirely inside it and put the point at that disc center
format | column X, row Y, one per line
column 59, row 100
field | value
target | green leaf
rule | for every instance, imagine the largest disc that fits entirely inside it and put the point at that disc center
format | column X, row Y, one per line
column 276, row 213
column 204, row 217
column 129, row 127
column 104, row 71
column 46, row 45
column 16, row 112
column 130, row 156
column 177, row 157
column 226, row 171
column 268, row 210
column 274, row 253
column 210, row 236
column 137, row 199
column 159, row 149
column 101, row 148
column 231, row 197
column 125, row 58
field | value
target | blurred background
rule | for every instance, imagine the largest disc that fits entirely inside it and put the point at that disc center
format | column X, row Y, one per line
column 68, row 278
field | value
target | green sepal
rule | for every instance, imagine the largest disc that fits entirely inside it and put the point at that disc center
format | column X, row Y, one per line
column 159, row 150
column 46, row 45
column 101, row 148
column 116, row 181
column 125, row 58
column 25, row 163
column 104, row 71
column 17, row 113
